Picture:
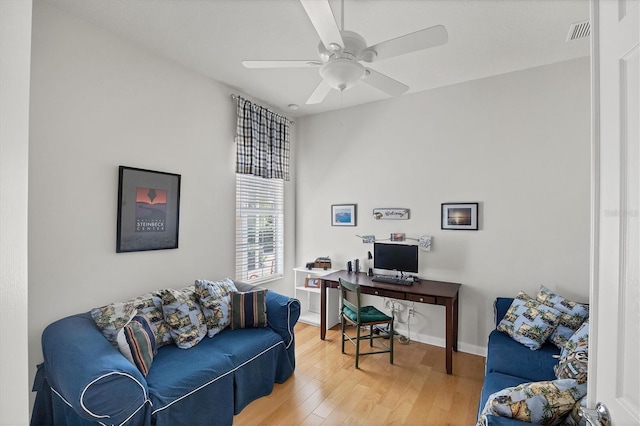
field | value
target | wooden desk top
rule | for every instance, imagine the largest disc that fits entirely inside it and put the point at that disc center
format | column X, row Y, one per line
column 421, row 288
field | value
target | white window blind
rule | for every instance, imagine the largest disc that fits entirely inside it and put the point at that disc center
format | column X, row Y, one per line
column 259, row 228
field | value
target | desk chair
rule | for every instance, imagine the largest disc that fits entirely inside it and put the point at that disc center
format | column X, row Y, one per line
column 363, row 316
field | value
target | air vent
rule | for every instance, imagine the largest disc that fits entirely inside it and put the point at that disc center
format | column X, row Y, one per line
column 579, row 30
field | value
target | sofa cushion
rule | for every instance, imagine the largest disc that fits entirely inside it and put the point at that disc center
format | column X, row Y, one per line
column 248, row 310
column 504, row 355
column 214, row 297
column 183, row 315
column 572, row 314
column 206, row 376
column 529, row 321
column 137, row 343
column 546, row 402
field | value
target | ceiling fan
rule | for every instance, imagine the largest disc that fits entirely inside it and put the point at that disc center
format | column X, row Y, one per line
column 341, row 53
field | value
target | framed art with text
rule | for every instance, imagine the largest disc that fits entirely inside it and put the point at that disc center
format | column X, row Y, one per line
column 459, row 216
column 148, row 210
column 343, row 215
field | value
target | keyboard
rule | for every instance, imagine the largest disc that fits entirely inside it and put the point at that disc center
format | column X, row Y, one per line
column 391, row 280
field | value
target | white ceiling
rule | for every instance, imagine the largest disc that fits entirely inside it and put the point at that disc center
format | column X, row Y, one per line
column 486, row 37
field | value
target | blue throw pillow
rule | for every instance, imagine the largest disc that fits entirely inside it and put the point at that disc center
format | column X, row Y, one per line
column 529, row 322
column 184, row 316
column 214, row 297
column 547, row 403
column 572, row 315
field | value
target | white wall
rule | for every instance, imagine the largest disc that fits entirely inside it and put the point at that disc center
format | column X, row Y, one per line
column 517, row 143
column 99, row 102
column 15, row 49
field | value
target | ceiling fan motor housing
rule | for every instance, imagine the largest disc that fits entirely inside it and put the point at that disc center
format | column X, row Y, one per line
column 353, row 44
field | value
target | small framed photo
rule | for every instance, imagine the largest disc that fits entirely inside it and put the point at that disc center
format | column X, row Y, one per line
column 463, row 216
column 148, row 210
column 312, row 282
column 343, row 214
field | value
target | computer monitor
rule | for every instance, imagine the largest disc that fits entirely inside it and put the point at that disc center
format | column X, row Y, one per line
column 395, row 257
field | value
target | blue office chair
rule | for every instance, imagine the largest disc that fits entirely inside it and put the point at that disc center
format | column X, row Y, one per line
column 363, row 317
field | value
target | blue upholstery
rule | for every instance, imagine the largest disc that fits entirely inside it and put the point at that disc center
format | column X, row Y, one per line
column 86, row 381
column 510, row 363
column 505, row 355
column 367, row 314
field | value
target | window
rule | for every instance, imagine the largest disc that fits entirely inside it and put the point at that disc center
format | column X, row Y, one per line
column 259, row 228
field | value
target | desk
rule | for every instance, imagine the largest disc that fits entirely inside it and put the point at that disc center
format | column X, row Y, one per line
column 426, row 291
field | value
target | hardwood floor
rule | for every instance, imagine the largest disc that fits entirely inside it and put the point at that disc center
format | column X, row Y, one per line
column 326, row 389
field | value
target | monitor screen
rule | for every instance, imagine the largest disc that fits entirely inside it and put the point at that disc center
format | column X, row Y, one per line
column 395, row 257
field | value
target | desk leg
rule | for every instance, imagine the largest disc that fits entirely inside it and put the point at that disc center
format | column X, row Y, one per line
column 323, row 309
column 449, row 342
column 455, row 324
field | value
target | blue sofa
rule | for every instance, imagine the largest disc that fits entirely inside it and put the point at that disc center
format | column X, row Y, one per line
column 510, row 363
column 85, row 380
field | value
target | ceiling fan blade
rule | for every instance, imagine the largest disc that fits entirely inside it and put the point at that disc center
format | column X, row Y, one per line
column 319, row 11
column 319, row 93
column 384, row 83
column 419, row 40
column 281, row 64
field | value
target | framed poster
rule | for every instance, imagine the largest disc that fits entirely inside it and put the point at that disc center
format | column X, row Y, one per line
column 459, row 216
column 343, row 215
column 148, row 210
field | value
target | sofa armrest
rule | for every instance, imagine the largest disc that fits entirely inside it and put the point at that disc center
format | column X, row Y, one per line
column 90, row 374
column 500, row 308
column 282, row 314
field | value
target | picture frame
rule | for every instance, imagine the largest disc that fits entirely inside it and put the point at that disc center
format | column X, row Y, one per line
column 459, row 216
column 312, row 282
column 344, row 214
column 148, row 210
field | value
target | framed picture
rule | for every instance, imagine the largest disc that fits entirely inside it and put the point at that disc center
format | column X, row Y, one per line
column 343, row 214
column 148, row 210
column 312, row 282
column 462, row 216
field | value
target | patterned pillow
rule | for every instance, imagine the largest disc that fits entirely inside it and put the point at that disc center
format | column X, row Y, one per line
column 184, row 316
column 112, row 318
column 579, row 338
column 546, row 403
column 137, row 343
column 248, row 310
column 529, row 322
column 214, row 297
column 572, row 314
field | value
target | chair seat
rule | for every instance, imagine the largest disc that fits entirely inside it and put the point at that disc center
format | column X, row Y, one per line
column 367, row 314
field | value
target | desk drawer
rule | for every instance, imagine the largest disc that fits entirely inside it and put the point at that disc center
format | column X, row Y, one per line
column 383, row 293
column 421, row 298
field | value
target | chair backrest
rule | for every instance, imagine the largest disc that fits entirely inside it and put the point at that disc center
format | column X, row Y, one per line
column 346, row 286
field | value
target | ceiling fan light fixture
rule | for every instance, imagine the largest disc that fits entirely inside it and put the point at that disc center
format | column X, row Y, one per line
column 342, row 73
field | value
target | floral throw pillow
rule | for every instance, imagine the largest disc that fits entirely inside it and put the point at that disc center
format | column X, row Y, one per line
column 528, row 321
column 572, row 315
column 184, row 316
column 546, row 403
column 214, row 297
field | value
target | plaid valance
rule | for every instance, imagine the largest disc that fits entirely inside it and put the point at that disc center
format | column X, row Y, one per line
column 262, row 141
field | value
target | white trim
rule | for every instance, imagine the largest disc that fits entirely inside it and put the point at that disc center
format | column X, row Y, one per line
column 86, row 388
